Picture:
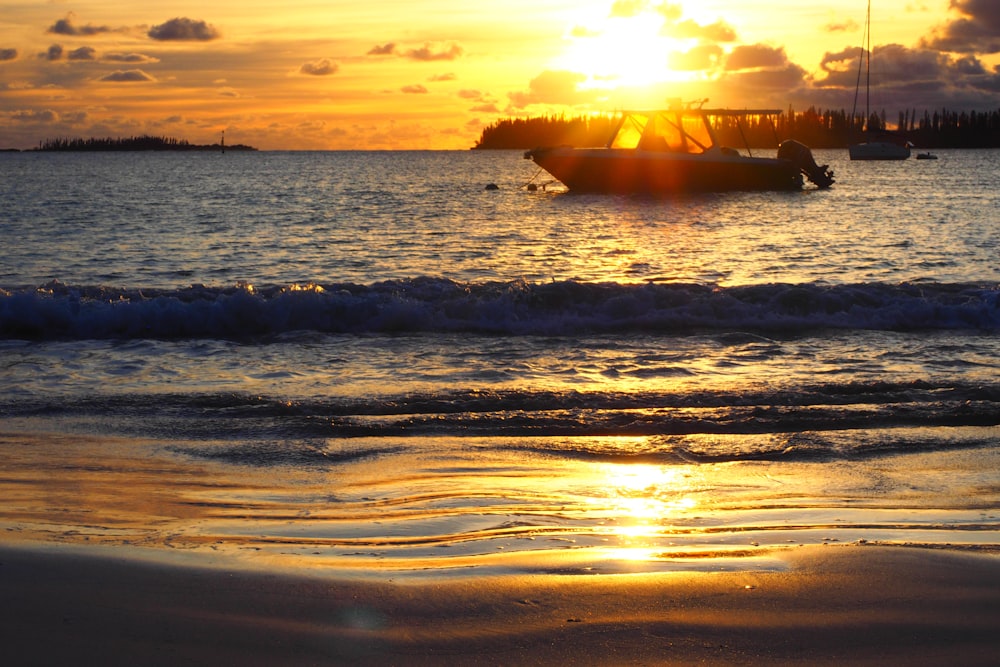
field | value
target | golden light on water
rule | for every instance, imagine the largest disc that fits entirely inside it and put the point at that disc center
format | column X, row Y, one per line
column 646, row 497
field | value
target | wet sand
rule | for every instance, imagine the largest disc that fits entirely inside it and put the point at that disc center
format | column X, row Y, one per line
column 833, row 605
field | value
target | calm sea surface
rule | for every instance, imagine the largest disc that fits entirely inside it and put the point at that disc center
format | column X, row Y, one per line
column 369, row 363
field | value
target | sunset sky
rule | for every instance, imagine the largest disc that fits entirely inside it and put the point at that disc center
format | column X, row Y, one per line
column 304, row 74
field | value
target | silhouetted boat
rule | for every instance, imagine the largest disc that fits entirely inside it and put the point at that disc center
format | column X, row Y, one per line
column 926, row 156
column 676, row 150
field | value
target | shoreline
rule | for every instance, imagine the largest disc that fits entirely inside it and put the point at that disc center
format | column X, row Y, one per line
column 857, row 604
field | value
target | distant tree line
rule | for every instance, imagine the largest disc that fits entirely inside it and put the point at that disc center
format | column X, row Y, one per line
column 143, row 143
column 817, row 129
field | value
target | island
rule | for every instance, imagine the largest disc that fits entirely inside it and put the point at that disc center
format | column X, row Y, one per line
column 141, row 143
column 817, row 128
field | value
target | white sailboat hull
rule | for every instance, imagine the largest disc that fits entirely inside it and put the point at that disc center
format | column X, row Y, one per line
column 879, row 150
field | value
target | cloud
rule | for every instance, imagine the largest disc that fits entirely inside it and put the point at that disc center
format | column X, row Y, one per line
column 8, row 54
column 849, row 25
column 628, row 8
column 321, row 67
column 909, row 78
column 977, row 31
column 183, row 29
column 427, row 53
column 670, row 12
column 897, row 65
column 552, row 87
column 702, row 57
column 716, row 32
column 584, row 32
column 131, row 58
column 32, row 116
column 65, row 27
column 82, row 53
column 764, row 81
column 485, row 108
column 414, row 90
column 469, row 94
column 756, row 56
column 383, row 50
column 127, row 76
column 448, row 76
column 54, row 52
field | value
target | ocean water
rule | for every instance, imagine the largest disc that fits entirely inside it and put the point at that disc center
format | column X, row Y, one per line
column 370, row 364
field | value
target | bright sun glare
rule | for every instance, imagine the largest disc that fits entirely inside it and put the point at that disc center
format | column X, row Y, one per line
column 624, row 52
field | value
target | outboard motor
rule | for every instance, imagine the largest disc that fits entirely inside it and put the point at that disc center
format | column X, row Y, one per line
column 799, row 154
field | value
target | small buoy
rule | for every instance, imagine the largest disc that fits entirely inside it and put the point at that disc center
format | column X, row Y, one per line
column 532, row 187
column 492, row 186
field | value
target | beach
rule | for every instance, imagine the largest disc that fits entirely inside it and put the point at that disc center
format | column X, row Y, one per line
column 848, row 604
column 315, row 408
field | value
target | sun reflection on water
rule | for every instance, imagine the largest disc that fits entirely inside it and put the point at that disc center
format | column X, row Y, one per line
column 645, row 500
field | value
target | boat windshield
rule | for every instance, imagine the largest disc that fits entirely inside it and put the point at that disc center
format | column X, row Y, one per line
column 671, row 131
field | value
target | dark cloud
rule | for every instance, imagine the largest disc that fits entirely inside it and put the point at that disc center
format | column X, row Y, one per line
column 65, row 27
column 977, row 31
column 908, row 78
column 756, row 56
column 131, row 58
column 383, row 50
column 900, row 64
column 321, row 67
column 127, row 76
column 969, row 66
column 55, row 52
column 768, row 81
column 427, row 53
column 183, row 29
column 8, row 54
column 82, row 53
column 416, row 89
column 552, row 87
column 32, row 116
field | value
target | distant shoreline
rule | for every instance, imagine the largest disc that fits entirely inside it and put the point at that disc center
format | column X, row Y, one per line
column 142, row 143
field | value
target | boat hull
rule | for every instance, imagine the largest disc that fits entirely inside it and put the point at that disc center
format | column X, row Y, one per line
column 623, row 171
column 879, row 150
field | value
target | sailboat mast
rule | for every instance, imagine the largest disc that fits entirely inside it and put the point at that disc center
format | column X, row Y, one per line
column 868, row 69
column 864, row 61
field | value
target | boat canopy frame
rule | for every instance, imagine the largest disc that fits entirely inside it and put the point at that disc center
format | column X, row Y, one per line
column 645, row 123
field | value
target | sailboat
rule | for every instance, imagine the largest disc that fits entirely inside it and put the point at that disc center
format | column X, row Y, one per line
column 880, row 145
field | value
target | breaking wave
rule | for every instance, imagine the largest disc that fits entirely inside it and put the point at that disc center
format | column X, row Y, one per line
column 57, row 311
column 817, row 421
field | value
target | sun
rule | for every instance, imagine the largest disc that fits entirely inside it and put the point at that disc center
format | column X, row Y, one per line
column 624, row 52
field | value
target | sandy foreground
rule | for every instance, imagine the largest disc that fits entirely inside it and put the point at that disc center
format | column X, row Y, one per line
column 833, row 605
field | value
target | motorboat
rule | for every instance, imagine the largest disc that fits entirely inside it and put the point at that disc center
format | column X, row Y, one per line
column 677, row 150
